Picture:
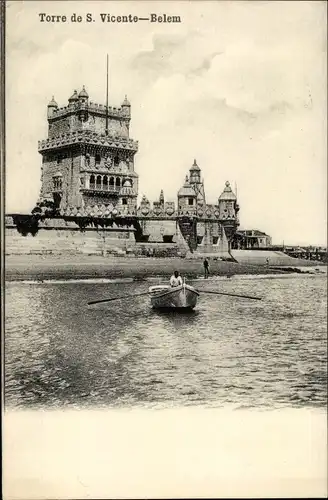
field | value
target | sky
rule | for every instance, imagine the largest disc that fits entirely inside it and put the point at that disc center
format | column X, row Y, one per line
column 239, row 86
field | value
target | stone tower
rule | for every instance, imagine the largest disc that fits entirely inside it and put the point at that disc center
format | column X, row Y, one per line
column 88, row 158
column 192, row 195
column 228, row 211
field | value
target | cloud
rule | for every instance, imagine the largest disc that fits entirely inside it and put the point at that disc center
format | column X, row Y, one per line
column 240, row 86
column 205, row 64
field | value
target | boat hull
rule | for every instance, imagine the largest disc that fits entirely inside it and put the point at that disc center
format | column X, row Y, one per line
column 180, row 297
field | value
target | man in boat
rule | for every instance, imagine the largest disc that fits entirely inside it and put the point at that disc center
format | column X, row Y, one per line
column 175, row 280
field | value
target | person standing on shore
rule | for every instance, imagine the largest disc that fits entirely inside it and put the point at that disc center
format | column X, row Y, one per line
column 206, row 268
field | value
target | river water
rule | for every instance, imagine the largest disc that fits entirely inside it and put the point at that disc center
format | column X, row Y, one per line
column 229, row 352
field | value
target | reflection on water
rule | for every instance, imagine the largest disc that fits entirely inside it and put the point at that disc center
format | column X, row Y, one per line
column 229, row 351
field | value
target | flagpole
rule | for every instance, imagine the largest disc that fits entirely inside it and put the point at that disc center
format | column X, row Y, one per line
column 107, row 96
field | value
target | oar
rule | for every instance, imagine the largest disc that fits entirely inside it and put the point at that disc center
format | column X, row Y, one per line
column 231, row 294
column 117, row 298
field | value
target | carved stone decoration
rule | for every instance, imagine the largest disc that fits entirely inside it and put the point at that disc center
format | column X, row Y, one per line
column 157, row 211
column 108, row 162
column 145, row 210
column 123, row 166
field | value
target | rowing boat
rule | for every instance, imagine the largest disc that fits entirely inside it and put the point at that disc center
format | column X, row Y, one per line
column 168, row 297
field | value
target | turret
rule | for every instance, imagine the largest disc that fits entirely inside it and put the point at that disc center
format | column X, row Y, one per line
column 73, row 99
column 227, row 203
column 186, row 198
column 126, row 107
column 83, row 95
column 161, row 197
column 83, row 105
column 195, row 173
column 52, row 106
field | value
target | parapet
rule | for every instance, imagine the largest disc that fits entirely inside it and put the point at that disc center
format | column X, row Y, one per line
column 91, row 107
column 158, row 210
column 87, row 137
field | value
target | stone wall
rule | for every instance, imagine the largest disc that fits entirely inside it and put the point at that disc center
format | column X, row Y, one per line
column 68, row 241
column 160, row 238
column 57, row 236
column 156, row 231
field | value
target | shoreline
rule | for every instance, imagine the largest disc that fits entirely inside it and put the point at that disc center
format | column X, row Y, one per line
column 84, row 267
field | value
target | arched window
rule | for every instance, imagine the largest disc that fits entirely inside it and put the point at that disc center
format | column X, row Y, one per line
column 105, row 182
column 98, row 159
column 98, row 182
column 92, row 181
column 118, row 182
column 116, row 160
column 111, row 181
column 124, row 201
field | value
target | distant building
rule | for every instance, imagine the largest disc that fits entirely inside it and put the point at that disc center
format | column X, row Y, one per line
column 251, row 238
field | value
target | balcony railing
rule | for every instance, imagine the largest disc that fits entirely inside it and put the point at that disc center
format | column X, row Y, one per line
column 102, row 189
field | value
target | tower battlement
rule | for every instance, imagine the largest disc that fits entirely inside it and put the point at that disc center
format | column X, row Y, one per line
column 87, row 137
column 82, row 114
column 101, row 109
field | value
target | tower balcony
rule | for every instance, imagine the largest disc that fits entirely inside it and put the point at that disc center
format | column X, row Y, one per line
column 87, row 137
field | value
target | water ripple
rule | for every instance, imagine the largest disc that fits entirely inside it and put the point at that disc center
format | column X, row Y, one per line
column 229, row 351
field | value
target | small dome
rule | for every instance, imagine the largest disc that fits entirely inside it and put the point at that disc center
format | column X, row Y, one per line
column 195, row 166
column 186, row 190
column 227, row 193
column 127, row 183
column 52, row 103
column 84, row 93
column 74, row 97
column 126, row 102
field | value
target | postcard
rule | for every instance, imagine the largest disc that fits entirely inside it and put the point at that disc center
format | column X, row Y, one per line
column 165, row 249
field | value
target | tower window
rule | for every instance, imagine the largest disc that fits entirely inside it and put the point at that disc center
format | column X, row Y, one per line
column 57, row 183
column 124, row 201
column 190, row 201
column 98, row 159
column 116, row 160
